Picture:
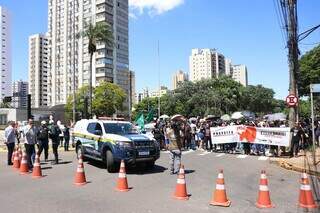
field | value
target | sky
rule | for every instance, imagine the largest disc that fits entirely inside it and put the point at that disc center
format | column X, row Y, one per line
column 245, row 31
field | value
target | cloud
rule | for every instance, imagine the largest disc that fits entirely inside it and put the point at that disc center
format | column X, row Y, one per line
column 154, row 7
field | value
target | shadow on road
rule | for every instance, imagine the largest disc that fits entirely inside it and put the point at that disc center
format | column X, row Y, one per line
column 144, row 170
column 189, row 171
column 47, row 167
column 65, row 162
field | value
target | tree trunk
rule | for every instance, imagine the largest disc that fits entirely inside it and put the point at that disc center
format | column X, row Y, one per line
column 90, row 84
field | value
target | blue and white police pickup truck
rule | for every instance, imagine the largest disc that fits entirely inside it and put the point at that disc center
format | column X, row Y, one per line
column 113, row 141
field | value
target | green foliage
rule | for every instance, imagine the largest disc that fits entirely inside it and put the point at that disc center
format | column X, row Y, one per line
column 100, row 32
column 309, row 71
column 108, row 98
column 80, row 102
column 214, row 97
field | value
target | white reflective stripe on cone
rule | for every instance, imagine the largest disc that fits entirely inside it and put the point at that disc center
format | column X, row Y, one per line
column 305, row 187
column 220, row 175
column 122, row 175
column 79, row 169
column 181, row 181
column 263, row 188
column 36, row 164
column 181, row 171
column 304, row 175
column 263, row 176
column 80, row 160
column 23, row 161
column 220, row 187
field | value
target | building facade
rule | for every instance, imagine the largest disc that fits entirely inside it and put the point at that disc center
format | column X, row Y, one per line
column 240, row 74
column 20, row 94
column 178, row 78
column 5, row 54
column 206, row 64
column 69, row 53
column 38, row 70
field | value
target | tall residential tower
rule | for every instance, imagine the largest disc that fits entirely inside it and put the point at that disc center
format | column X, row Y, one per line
column 38, row 70
column 69, row 53
column 5, row 54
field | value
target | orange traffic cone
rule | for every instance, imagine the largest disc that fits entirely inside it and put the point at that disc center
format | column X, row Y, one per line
column 122, row 183
column 306, row 198
column 181, row 187
column 24, row 167
column 16, row 162
column 37, row 173
column 80, row 178
column 13, row 154
column 219, row 197
column 264, row 196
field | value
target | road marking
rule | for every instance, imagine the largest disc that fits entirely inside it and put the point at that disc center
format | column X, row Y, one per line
column 187, row 152
column 220, row 155
column 263, row 158
column 204, row 153
column 242, row 156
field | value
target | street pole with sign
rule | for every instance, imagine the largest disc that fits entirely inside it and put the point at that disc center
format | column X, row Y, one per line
column 314, row 88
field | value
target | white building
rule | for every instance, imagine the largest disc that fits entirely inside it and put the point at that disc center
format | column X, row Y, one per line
column 20, row 94
column 69, row 54
column 206, row 64
column 38, row 70
column 5, row 54
column 163, row 90
column 240, row 74
column 228, row 66
column 178, row 78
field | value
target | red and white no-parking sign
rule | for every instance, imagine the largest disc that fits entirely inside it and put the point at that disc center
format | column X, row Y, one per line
column 292, row 100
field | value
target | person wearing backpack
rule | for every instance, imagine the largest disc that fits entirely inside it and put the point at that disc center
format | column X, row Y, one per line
column 43, row 140
column 54, row 133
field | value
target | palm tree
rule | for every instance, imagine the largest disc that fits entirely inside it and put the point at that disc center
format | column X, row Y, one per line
column 100, row 32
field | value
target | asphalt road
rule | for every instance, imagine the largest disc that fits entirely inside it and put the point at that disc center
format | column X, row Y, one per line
column 152, row 190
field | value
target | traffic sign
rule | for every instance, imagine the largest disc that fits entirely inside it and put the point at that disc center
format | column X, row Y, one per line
column 292, row 100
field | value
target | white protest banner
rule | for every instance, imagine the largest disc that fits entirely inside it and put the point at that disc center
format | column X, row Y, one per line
column 224, row 134
column 249, row 134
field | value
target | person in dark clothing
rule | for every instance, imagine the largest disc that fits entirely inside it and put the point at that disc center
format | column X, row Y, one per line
column 297, row 136
column 54, row 133
column 43, row 140
column 66, row 135
column 187, row 136
column 30, row 141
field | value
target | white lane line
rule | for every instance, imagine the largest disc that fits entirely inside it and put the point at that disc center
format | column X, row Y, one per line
column 242, row 156
column 220, row 155
column 204, row 153
column 263, row 158
column 187, row 152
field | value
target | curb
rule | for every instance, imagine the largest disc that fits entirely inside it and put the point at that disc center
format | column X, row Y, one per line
column 292, row 167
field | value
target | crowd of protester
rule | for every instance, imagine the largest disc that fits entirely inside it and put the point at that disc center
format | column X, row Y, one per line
column 195, row 134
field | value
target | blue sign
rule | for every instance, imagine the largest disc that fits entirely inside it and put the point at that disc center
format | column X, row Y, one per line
column 315, row 88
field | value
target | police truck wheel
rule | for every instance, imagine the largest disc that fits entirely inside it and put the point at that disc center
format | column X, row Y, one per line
column 109, row 162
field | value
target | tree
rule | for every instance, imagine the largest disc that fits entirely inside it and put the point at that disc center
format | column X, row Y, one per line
column 309, row 71
column 81, row 95
column 100, row 32
column 108, row 99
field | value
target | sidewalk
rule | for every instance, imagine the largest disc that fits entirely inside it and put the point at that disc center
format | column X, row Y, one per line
column 304, row 162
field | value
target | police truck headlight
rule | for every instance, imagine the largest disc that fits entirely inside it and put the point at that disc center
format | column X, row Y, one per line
column 124, row 144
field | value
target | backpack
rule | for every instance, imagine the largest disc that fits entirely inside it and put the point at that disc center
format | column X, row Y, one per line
column 42, row 134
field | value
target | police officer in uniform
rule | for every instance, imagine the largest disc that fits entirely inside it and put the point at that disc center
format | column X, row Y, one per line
column 175, row 145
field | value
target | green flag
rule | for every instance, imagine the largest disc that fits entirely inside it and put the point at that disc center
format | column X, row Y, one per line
column 140, row 121
column 150, row 116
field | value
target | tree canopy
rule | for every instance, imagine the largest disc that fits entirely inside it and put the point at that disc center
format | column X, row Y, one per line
column 107, row 99
column 309, row 71
column 213, row 97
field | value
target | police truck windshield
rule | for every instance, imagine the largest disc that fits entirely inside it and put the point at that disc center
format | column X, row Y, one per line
column 119, row 128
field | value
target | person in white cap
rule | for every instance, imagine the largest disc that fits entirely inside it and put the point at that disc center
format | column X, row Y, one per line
column 43, row 140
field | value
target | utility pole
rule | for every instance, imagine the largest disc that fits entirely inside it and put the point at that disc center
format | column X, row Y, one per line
column 159, row 111
column 290, row 12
